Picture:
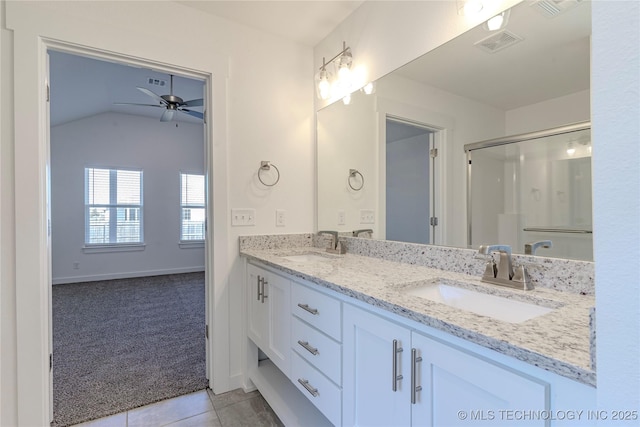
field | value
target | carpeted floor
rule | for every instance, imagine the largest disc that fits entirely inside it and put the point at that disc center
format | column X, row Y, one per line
column 120, row 344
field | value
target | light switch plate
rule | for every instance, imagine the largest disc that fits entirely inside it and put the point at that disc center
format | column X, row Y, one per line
column 243, row 217
column 281, row 218
column 342, row 217
column 367, row 216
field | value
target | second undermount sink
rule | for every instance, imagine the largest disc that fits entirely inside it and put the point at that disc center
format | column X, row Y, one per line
column 497, row 307
column 310, row 257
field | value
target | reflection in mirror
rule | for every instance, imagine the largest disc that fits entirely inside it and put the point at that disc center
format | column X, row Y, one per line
column 533, row 192
column 408, row 137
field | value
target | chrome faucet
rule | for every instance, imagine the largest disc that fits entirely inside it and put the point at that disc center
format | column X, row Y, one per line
column 335, row 246
column 503, row 273
column 357, row 233
column 531, row 247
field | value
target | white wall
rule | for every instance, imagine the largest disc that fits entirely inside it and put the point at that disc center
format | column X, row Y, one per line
column 548, row 114
column 615, row 100
column 111, row 140
column 263, row 110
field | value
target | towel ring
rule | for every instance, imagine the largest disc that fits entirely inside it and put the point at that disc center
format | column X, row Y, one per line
column 352, row 174
column 266, row 165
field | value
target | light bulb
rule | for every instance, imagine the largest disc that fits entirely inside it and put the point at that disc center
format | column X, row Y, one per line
column 495, row 23
column 472, row 6
column 368, row 88
column 324, row 88
column 347, row 99
column 571, row 150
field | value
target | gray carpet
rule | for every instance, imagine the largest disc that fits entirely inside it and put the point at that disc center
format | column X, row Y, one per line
column 120, row 344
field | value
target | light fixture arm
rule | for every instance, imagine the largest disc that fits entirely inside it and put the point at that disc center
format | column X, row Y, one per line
column 344, row 50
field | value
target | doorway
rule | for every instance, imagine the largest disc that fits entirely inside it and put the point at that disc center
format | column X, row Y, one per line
column 98, row 154
column 410, row 170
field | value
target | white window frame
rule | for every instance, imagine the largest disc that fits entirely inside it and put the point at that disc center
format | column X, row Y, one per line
column 113, row 206
column 191, row 243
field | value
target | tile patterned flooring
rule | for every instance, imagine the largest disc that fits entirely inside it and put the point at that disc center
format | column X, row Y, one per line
column 233, row 409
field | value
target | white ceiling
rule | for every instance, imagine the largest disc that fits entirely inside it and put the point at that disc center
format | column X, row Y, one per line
column 553, row 60
column 307, row 22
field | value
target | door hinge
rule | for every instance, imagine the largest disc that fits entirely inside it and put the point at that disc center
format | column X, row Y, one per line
column 50, row 361
column 206, row 331
column 433, row 221
column 48, row 93
column 433, row 153
column 204, row 116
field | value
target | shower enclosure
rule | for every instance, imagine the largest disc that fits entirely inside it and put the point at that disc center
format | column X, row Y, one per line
column 533, row 187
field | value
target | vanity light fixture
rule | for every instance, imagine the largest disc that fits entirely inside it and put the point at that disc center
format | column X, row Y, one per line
column 497, row 22
column 346, row 100
column 469, row 7
column 368, row 88
column 342, row 61
column 571, row 150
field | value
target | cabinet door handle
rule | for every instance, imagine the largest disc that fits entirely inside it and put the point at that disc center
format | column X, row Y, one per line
column 415, row 359
column 310, row 389
column 264, row 295
column 394, row 368
column 260, row 284
column 307, row 308
column 307, row 347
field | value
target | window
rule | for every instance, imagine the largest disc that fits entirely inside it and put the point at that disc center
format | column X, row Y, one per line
column 113, row 206
column 192, row 209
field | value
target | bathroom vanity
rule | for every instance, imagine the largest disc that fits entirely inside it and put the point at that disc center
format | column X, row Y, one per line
column 360, row 340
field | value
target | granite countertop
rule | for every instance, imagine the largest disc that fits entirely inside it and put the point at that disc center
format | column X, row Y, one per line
column 558, row 342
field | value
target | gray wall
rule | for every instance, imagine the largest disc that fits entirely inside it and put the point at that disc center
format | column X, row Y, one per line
column 112, row 140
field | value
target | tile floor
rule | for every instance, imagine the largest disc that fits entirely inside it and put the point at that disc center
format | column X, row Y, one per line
column 235, row 408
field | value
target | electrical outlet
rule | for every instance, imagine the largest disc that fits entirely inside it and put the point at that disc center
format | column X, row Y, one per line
column 76, row 265
column 243, row 217
column 367, row 216
column 280, row 218
column 342, row 217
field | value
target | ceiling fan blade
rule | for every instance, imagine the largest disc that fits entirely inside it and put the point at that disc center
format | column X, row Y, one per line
column 193, row 103
column 139, row 105
column 167, row 116
column 192, row 113
column 153, row 95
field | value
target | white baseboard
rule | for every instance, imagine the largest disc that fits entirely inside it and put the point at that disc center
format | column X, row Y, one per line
column 125, row 275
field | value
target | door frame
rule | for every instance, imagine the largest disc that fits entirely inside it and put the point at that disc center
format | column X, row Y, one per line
column 35, row 32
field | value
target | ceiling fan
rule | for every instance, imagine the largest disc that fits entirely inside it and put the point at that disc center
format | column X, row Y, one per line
column 171, row 103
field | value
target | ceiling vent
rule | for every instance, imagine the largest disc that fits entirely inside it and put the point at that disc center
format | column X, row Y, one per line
column 151, row 81
column 553, row 8
column 498, row 41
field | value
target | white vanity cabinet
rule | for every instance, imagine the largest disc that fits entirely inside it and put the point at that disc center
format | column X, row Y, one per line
column 396, row 376
column 269, row 315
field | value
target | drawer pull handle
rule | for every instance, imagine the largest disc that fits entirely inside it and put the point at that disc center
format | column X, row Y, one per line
column 307, row 347
column 394, row 365
column 310, row 389
column 415, row 359
column 260, row 285
column 309, row 309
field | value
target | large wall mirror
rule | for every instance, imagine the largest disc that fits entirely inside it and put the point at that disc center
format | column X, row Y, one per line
column 394, row 161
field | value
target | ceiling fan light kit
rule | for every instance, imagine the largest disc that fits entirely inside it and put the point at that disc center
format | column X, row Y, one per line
column 171, row 103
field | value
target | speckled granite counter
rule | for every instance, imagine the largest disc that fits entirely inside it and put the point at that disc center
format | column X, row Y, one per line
column 558, row 342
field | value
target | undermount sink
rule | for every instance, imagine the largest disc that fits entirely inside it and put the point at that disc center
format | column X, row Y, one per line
column 307, row 258
column 497, row 307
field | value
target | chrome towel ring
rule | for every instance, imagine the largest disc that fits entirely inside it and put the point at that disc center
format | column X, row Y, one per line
column 266, row 165
column 352, row 174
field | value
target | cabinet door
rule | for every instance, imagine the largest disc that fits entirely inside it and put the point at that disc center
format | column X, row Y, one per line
column 369, row 398
column 277, row 290
column 459, row 389
column 257, row 311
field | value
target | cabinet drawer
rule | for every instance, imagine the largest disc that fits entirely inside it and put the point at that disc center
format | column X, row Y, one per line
column 317, row 349
column 317, row 309
column 325, row 395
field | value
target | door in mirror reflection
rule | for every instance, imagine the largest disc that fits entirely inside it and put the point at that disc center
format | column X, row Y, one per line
column 409, row 183
column 537, row 190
